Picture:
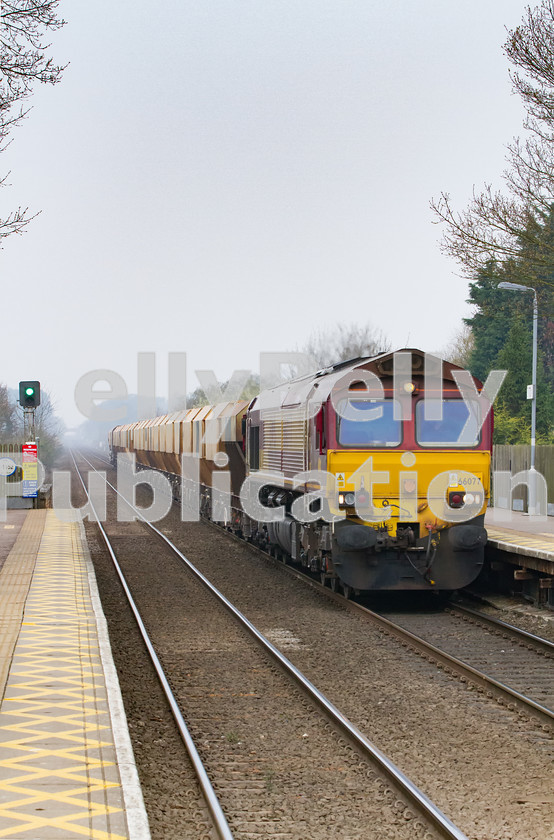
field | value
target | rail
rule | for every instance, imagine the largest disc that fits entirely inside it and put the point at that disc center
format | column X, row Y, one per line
column 405, row 786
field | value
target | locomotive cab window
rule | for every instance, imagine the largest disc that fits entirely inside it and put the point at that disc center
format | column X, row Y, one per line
column 459, row 425
column 369, row 423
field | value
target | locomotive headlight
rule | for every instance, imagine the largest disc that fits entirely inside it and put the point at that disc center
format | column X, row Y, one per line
column 469, row 499
column 409, row 387
column 347, row 499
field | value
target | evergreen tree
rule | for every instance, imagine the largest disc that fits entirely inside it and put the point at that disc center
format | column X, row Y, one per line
column 491, row 321
column 502, row 327
column 544, row 288
column 509, row 429
column 513, row 409
column 516, row 357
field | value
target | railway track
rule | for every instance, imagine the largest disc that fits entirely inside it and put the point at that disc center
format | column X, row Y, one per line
column 515, row 678
column 507, row 673
column 544, row 646
column 519, row 675
column 463, row 750
column 370, row 784
column 210, row 799
column 512, row 666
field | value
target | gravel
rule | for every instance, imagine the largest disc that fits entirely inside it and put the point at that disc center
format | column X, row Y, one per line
column 489, row 769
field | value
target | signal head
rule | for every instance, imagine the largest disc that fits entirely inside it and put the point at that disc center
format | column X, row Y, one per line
column 29, row 394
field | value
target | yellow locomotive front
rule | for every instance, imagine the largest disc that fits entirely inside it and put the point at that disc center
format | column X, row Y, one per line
column 414, row 498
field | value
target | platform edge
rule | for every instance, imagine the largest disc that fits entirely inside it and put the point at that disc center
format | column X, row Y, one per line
column 137, row 819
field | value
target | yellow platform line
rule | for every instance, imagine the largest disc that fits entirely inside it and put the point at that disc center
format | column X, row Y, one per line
column 15, row 579
column 518, row 539
column 58, row 770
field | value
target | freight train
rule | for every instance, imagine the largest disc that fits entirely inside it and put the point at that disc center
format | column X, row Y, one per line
column 373, row 473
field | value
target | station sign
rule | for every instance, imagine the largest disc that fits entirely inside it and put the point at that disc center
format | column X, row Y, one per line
column 29, row 464
column 7, row 467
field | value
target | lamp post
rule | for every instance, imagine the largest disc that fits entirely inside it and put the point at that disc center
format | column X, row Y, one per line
column 532, row 483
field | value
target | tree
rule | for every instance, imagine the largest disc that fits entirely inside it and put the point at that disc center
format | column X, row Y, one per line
column 325, row 347
column 491, row 321
column 509, row 429
column 48, row 426
column 49, row 429
column 502, row 331
column 460, row 348
column 502, row 334
column 513, row 408
column 8, row 418
column 496, row 309
column 344, row 342
column 496, row 227
column 23, row 62
column 198, row 397
column 515, row 357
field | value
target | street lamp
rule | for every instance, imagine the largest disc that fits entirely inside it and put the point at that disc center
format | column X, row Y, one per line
column 516, row 287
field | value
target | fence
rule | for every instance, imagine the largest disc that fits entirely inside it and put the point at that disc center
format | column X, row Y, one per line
column 513, row 459
column 7, row 449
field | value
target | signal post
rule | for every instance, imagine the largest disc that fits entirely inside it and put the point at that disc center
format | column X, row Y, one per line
column 29, row 400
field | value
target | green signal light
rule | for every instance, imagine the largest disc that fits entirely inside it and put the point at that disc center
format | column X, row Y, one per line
column 29, row 389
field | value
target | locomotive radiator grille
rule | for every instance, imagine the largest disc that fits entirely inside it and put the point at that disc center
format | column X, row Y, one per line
column 284, row 440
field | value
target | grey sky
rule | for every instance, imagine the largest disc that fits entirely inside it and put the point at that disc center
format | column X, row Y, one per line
column 224, row 177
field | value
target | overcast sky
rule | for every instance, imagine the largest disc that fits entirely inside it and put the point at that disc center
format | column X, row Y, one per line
column 223, row 177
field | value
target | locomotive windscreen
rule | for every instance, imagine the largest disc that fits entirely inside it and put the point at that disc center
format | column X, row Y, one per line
column 377, row 428
column 448, row 431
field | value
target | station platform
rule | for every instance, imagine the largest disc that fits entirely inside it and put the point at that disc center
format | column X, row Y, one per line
column 530, row 539
column 66, row 762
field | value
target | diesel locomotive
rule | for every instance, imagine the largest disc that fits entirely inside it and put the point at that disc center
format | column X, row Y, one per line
column 373, row 473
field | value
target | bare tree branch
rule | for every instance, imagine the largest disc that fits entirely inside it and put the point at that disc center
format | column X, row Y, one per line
column 23, row 62
column 343, row 342
column 501, row 226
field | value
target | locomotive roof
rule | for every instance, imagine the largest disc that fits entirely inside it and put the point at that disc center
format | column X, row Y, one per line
column 319, row 384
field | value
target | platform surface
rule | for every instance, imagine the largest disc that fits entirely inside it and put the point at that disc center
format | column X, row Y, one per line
column 66, row 762
column 517, row 533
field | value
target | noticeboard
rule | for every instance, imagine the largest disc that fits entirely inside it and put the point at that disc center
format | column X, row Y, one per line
column 29, row 464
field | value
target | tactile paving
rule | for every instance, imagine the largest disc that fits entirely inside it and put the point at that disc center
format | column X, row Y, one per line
column 58, row 772
column 15, row 579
